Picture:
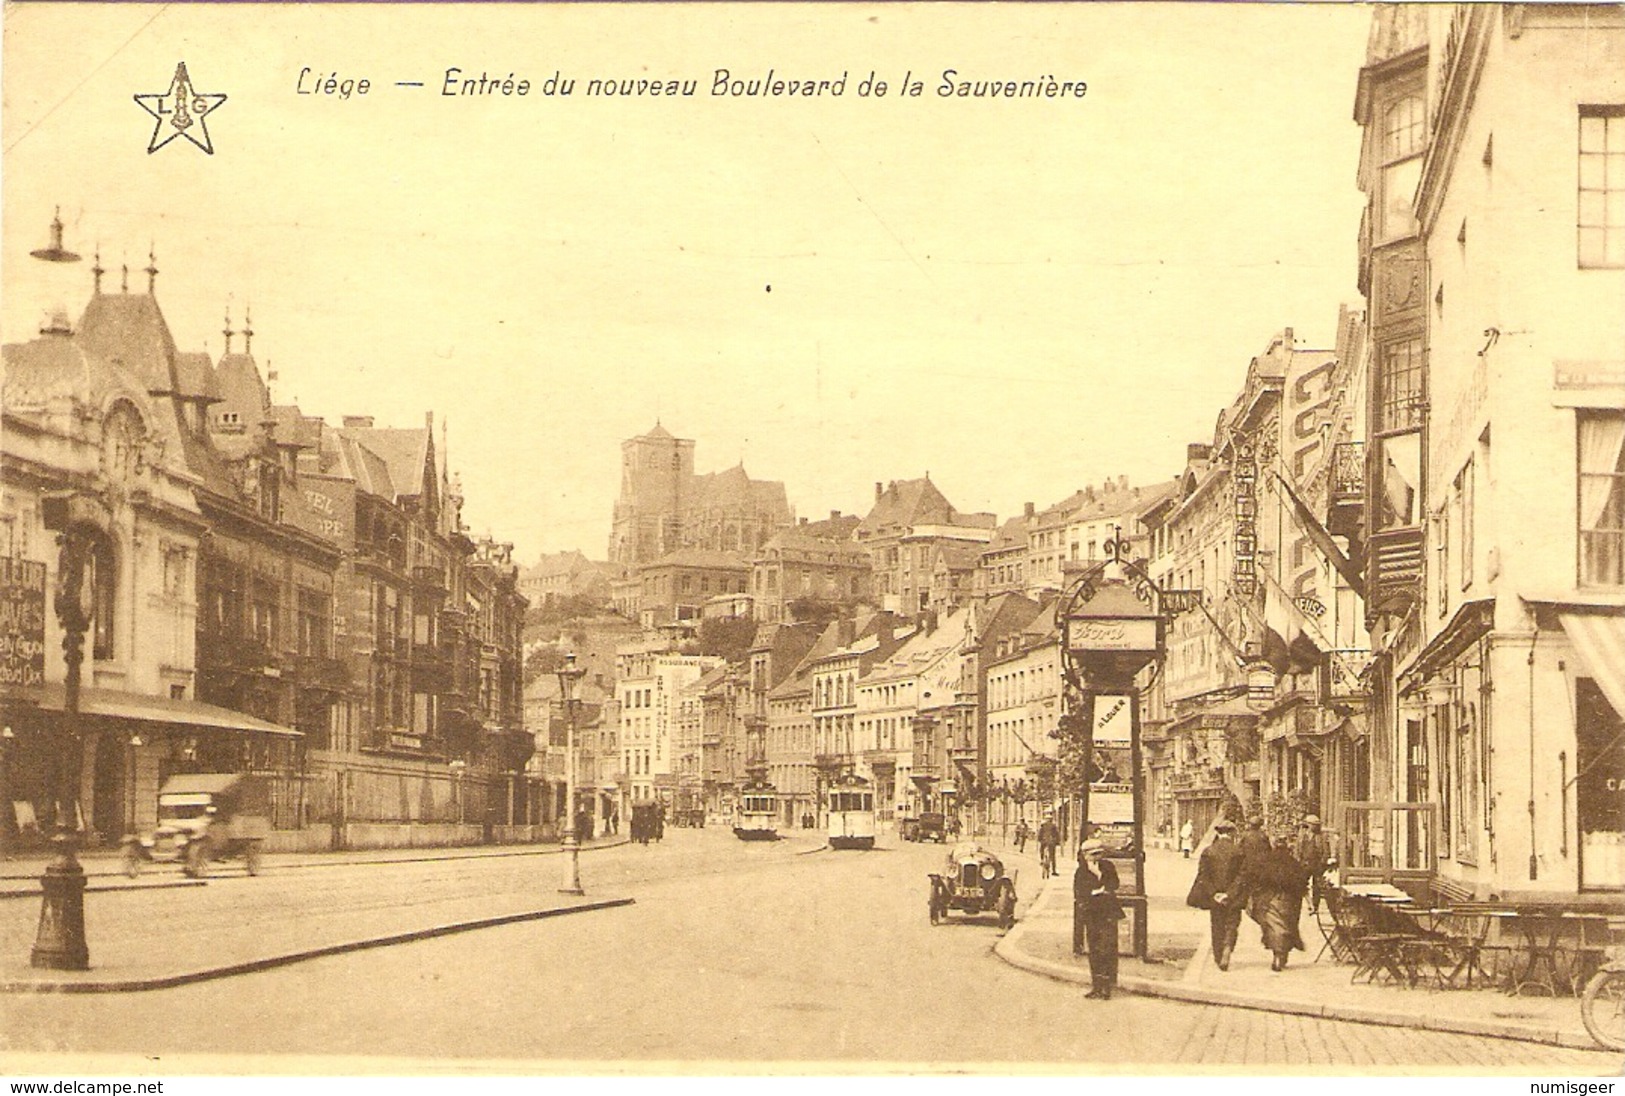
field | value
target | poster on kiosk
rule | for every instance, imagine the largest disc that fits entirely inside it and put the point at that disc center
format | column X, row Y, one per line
column 1111, row 782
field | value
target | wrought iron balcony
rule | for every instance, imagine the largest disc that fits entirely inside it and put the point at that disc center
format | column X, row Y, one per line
column 1345, row 516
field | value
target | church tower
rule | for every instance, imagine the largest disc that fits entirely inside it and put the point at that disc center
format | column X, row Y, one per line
column 656, row 468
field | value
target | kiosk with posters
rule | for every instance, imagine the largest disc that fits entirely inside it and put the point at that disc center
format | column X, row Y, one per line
column 1112, row 619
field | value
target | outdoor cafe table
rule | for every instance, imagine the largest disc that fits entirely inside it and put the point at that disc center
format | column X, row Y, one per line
column 1555, row 943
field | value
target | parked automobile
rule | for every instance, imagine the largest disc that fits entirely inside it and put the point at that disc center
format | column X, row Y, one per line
column 973, row 881
column 931, row 826
column 204, row 817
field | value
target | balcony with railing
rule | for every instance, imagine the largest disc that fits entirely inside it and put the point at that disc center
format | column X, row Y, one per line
column 1346, row 500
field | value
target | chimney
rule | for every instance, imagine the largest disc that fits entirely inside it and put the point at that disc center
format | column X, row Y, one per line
column 834, row 515
column 358, row 422
column 877, row 490
column 1122, row 483
column 428, row 421
column 846, row 631
column 1198, row 451
column 1027, row 511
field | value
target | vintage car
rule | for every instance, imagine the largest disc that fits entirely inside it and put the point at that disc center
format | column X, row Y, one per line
column 973, row 881
column 929, row 826
column 204, row 817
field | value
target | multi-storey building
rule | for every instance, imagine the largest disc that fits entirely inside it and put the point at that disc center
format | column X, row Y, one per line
column 786, row 751
column 1002, row 567
column 650, row 681
column 810, row 563
column 1493, row 261
column 86, row 441
column 674, row 589
column 1022, row 700
column 894, row 698
column 910, row 519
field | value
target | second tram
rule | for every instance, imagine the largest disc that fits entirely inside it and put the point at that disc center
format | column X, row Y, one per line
column 756, row 818
column 851, row 806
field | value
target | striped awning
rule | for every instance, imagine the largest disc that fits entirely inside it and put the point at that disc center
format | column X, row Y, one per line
column 1599, row 638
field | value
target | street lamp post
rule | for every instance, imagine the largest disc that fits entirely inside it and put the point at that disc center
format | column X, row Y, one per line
column 135, row 744
column 568, row 675
column 60, row 942
column 457, row 766
column 7, row 737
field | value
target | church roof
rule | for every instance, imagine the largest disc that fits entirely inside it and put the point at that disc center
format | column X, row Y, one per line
column 660, row 433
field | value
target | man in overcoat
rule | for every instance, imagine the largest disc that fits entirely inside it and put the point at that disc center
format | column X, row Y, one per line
column 1217, row 889
column 1095, row 913
column 1314, row 854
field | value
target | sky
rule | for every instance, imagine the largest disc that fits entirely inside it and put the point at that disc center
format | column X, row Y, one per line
column 1018, row 296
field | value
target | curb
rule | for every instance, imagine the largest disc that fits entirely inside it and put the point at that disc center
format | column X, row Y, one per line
column 155, row 885
column 545, row 850
column 132, row 985
column 1009, row 949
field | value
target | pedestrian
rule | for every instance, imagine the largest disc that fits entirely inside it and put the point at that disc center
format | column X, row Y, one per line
column 1021, row 835
column 1049, row 838
column 1187, row 838
column 1273, row 883
column 1314, row 853
column 1216, row 889
column 1254, row 841
column 1095, row 913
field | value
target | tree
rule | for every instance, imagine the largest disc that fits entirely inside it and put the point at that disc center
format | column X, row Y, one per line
column 814, row 610
column 725, row 637
column 543, row 660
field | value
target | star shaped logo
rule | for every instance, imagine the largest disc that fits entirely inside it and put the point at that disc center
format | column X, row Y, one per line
column 180, row 112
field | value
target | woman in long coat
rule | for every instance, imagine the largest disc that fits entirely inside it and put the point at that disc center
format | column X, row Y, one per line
column 1096, row 910
column 1275, row 883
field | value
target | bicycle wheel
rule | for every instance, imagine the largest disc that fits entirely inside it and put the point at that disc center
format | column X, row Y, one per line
column 1602, row 1007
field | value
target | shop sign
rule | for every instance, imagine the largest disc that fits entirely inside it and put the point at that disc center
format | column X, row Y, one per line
column 1112, row 634
column 22, row 622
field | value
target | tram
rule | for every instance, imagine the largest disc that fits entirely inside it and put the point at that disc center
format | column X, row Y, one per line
column 756, row 818
column 851, row 806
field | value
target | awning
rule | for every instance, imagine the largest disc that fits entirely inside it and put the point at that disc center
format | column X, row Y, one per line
column 117, row 704
column 1600, row 640
column 1471, row 622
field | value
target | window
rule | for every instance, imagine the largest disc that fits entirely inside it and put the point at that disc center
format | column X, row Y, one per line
column 103, row 592
column 1602, row 187
column 315, row 623
column 1399, row 386
column 1602, row 498
column 1403, row 136
column 1464, row 521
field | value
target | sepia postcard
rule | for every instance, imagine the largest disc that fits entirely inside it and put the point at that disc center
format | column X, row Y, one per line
column 825, row 540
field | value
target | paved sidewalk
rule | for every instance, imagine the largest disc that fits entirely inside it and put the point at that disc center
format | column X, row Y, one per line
column 155, row 951
column 1181, row 968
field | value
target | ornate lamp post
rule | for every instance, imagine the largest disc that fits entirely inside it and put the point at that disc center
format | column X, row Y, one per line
column 60, row 942
column 568, row 675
